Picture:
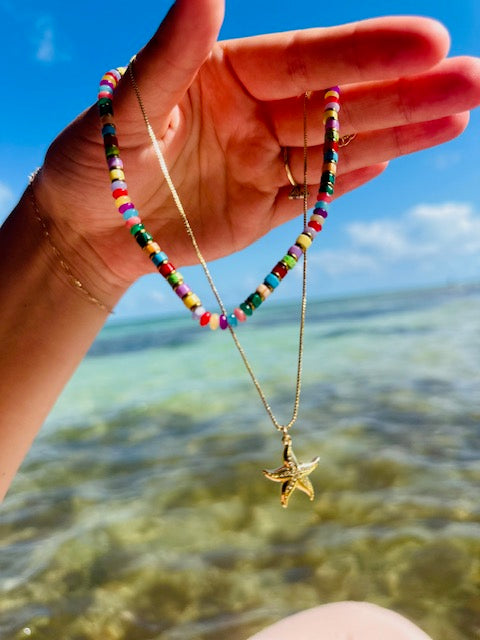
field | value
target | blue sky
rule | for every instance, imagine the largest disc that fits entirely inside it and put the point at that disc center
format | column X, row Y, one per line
column 416, row 225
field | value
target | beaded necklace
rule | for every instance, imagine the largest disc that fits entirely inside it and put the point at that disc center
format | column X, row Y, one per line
column 292, row 474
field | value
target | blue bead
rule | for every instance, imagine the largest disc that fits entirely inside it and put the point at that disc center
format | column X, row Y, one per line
column 272, row 281
column 158, row 258
column 108, row 129
column 129, row 213
column 232, row 320
column 330, row 156
column 321, row 204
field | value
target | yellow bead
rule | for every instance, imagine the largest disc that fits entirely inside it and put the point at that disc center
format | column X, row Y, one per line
column 303, row 241
column 331, row 167
column 151, row 247
column 110, row 79
column 329, row 113
column 116, row 174
column 264, row 291
column 332, row 94
column 122, row 200
column 214, row 321
column 191, row 300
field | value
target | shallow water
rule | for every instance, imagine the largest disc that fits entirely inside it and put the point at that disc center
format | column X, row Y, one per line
column 141, row 511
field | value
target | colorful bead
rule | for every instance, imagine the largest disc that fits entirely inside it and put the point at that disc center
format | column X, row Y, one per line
column 130, row 213
column 205, row 318
column 214, row 321
column 263, row 291
column 289, row 260
column 239, row 314
column 152, row 248
column 246, row 308
column 280, row 270
column 134, row 223
column 272, row 281
column 255, row 300
column 182, row 290
column 175, row 278
column 158, row 258
column 198, row 312
column 295, row 251
column 232, row 320
column 166, row 269
column 191, row 300
column 303, row 241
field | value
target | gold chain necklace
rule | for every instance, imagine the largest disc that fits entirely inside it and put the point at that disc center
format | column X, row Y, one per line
column 291, row 474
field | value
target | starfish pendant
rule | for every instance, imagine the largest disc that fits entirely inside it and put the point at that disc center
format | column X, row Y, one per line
column 293, row 474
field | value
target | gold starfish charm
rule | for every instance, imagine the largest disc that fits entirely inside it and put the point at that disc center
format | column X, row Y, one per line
column 293, row 474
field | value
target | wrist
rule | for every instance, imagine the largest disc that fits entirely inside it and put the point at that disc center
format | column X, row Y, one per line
column 67, row 251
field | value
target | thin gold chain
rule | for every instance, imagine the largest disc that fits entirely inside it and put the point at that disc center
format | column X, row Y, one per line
column 74, row 281
column 163, row 166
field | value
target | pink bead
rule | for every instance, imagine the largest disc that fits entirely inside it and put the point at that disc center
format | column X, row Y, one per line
column 132, row 221
column 105, row 94
column 332, row 105
column 240, row 315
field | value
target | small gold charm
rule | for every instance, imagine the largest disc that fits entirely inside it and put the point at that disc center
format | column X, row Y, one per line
column 297, row 192
column 293, row 474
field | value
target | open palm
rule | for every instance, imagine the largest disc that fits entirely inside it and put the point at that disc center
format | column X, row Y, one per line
column 222, row 112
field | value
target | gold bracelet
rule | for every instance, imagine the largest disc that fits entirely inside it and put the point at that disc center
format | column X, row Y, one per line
column 74, row 281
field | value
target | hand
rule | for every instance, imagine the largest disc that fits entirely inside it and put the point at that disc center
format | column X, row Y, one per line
column 222, row 112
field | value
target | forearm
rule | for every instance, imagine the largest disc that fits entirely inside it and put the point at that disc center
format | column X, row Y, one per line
column 46, row 327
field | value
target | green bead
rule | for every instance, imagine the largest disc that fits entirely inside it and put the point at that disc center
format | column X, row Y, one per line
column 255, row 300
column 111, row 151
column 105, row 106
column 289, row 260
column 175, row 278
column 136, row 229
column 143, row 238
column 246, row 308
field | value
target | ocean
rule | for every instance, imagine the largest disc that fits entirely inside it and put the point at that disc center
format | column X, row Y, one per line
column 142, row 513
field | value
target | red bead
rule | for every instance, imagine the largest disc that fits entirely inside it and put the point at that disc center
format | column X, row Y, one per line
column 166, row 269
column 280, row 270
column 326, row 197
column 110, row 139
column 330, row 144
column 314, row 225
column 205, row 319
column 119, row 192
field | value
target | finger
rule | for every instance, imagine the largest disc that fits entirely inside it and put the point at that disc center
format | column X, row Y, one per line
column 383, row 105
column 379, row 146
column 286, row 209
column 166, row 67
column 285, row 65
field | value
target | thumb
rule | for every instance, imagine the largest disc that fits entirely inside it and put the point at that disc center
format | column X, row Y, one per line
column 166, row 67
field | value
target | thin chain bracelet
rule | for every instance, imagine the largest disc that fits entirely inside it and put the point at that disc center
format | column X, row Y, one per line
column 74, row 281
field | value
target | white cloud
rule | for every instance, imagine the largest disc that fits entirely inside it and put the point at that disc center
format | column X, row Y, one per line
column 47, row 48
column 442, row 239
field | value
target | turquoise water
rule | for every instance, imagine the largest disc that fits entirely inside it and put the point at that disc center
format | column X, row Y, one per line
column 141, row 512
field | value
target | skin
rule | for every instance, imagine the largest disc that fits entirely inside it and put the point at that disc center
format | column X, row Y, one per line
column 222, row 112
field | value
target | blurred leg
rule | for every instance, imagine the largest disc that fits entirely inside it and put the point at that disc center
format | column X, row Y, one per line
column 343, row 621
